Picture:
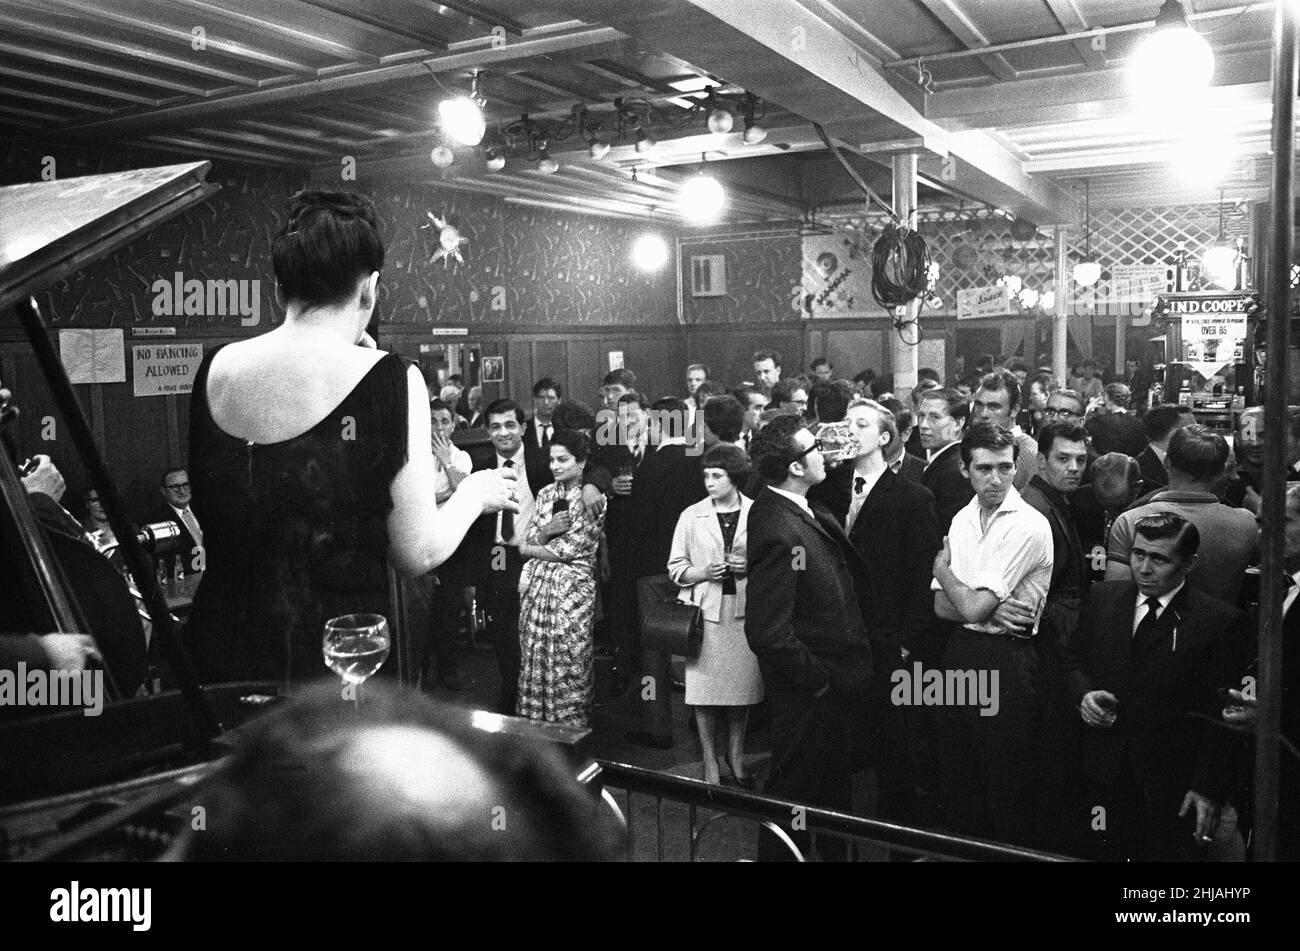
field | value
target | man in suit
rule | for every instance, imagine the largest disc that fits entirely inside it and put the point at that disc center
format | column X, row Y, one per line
column 990, row 581
column 621, row 445
column 892, row 525
column 669, row 480
column 1144, row 669
column 754, row 399
column 804, row 622
column 489, row 555
column 1160, row 423
column 1113, row 428
column 941, row 419
column 767, row 367
column 539, row 430
column 897, row 455
column 186, row 558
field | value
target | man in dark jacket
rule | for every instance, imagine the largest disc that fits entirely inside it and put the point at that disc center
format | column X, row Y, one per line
column 941, row 419
column 1145, row 668
column 804, row 622
column 1114, row 428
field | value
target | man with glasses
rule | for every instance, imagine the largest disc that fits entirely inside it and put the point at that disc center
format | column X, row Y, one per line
column 805, row 623
column 187, row 559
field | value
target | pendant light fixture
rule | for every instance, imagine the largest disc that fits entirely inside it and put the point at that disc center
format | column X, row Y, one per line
column 1087, row 272
column 701, row 197
column 1173, row 63
column 462, row 116
column 1219, row 263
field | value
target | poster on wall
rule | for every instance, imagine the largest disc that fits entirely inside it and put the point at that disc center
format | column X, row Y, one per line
column 494, row 370
column 976, row 302
column 615, row 360
column 165, row 369
column 93, row 356
column 1213, row 329
column 837, row 275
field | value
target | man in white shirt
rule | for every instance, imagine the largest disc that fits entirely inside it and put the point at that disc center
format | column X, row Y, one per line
column 997, row 401
column 188, row 557
column 991, row 579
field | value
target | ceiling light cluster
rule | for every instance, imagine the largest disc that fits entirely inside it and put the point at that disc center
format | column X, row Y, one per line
column 463, row 121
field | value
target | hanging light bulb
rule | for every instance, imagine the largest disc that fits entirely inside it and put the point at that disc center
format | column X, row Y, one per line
column 649, row 252
column 1219, row 262
column 701, row 197
column 1087, row 272
column 462, row 119
column 442, row 156
column 494, row 161
column 545, row 164
column 1172, row 63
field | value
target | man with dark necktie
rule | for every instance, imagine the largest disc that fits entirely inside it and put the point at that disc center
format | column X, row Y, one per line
column 1144, row 670
column 539, row 430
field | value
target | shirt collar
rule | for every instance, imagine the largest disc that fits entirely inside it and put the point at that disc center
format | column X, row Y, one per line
column 517, row 458
column 799, row 500
column 1164, row 599
column 939, row 452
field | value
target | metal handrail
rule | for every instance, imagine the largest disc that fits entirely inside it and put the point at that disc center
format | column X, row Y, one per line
column 819, row 822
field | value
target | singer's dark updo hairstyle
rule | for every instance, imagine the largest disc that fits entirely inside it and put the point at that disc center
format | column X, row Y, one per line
column 329, row 243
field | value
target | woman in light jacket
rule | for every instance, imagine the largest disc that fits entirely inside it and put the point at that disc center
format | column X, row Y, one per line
column 708, row 563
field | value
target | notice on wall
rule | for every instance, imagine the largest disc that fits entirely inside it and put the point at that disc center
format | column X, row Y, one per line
column 93, row 356
column 1140, row 283
column 616, row 359
column 836, row 276
column 976, row 302
column 166, row 369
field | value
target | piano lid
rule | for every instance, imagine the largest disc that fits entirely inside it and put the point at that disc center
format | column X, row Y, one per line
column 49, row 230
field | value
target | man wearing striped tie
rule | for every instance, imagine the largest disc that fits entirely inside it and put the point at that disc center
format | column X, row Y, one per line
column 187, row 558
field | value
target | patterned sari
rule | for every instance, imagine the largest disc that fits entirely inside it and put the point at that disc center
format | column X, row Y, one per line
column 556, row 673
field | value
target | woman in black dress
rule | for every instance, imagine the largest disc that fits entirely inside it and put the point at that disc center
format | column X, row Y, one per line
column 310, row 459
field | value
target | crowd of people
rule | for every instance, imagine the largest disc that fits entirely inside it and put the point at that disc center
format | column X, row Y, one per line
column 1022, row 604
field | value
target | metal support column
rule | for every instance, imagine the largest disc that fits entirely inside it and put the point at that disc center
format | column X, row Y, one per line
column 905, row 360
column 1060, row 320
column 1273, row 508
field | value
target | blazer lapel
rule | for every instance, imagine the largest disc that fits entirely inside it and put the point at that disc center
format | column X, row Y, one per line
column 1165, row 626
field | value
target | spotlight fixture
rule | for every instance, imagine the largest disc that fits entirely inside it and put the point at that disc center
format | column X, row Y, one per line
column 545, row 164
column 1173, row 63
column 442, row 156
column 754, row 133
column 1087, row 272
column 462, row 116
column 649, row 253
column 644, row 141
column 720, row 120
column 494, row 161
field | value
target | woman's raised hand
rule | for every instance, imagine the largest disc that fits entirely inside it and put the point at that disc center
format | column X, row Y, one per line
column 494, row 488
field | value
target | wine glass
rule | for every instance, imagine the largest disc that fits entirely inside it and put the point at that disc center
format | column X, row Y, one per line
column 355, row 646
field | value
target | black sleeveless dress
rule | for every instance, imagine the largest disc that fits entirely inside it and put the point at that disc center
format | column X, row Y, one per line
column 294, row 532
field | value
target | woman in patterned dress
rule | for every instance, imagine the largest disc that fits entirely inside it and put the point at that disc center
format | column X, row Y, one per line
column 558, row 593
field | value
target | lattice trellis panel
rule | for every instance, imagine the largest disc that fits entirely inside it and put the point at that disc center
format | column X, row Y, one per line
column 975, row 247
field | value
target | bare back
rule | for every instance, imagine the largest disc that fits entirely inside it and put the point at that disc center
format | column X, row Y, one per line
column 276, row 387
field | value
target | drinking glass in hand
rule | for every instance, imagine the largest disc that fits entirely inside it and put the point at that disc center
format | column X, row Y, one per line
column 736, row 560
column 356, row 645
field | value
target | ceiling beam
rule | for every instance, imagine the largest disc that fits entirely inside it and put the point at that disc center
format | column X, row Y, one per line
column 959, row 25
column 1239, row 77
column 289, row 34
column 1072, row 21
column 333, row 89
column 786, row 53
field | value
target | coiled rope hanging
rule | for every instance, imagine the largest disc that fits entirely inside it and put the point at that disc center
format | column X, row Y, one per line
column 900, row 263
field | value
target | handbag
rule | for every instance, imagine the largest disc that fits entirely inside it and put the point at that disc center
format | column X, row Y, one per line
column 667, row 624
